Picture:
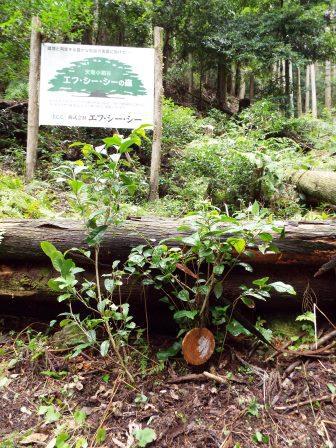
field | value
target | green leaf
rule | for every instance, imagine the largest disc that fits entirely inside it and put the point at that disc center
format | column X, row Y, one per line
column 218, row 269
column 308, row 316
column 75, row 185
column 51, row 415
column 173, row 350
column 79, row 417
column 104, row 347
column 61, row 440
column 332, row 388
column 267, row 237
column 112, row 141
column 183, row 295
column 283, row 288
column 81, row 442
column 261, row 281
column 144, row 436
column 248, row 301
column 255, row 209
column 236, row 329
column 100, row 435
column 239, row 245
column 185, row 314
column 218, row 290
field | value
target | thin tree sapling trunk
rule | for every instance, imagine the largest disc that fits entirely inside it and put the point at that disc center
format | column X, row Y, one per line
column 299, row 93
column 313, row 90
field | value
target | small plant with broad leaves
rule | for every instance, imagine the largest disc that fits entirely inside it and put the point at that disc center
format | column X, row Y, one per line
column 192, row 274
column 97, row 182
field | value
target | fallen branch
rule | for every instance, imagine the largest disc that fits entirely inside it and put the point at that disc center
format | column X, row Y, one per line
column 303, row 403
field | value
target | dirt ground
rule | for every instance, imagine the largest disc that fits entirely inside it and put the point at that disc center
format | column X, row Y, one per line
column 257, row 402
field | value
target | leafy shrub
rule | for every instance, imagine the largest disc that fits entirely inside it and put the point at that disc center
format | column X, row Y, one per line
column 180, row 125
column 18, row 201
column 229, row 175
column 17, row 90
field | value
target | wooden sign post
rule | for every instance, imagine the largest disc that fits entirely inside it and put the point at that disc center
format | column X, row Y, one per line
column 158, row 97
column 33, row 110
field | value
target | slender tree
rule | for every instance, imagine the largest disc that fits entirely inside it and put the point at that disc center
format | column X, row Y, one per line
column 299, row 93
column 328, row 91
column 313, row 90
column 307, row 90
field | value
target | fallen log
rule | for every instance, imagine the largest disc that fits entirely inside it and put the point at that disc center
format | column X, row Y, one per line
column 25, row 270
column 307, row 243
column 319, row 186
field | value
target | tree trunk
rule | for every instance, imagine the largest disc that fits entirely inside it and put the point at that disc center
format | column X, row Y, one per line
column 190, row 73
column 283, row 75
column 95, row 23
column 251, row 87
column 299, row 93
column 233, row 80
column 317, row 185
column 25, row 270
column 166, row 52
column 238, row 80
column 328, row 97
column 313, row 90
column 221, row 84
column 291, row 91
column 307, row 90
column 242, row 85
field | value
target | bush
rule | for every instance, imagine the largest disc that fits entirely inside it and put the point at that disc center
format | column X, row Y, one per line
column 18, row 201
column 229, row 176
column 17, row 90
column 180, row 126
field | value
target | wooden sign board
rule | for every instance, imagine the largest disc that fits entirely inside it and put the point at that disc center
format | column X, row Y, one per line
column 96, row 86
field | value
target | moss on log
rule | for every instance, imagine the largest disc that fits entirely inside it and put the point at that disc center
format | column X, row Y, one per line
column 317, row 185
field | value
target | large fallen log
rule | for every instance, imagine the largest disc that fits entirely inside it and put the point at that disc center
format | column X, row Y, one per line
column 319, row 186
column 306, row 242
column 25, row 270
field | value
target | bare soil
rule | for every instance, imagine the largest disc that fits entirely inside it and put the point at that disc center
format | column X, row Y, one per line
column 258, row 404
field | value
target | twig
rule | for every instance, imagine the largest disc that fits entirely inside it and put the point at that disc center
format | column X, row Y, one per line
column 203, row 377
column 303, row 403
column 218, row 379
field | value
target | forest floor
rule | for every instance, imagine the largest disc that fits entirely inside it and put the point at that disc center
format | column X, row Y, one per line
column 260, row 403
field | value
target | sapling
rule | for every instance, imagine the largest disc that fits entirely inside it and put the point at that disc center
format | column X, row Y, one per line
column 98, row 184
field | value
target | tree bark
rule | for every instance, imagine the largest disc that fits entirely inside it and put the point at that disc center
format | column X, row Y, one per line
column 233, row 80
column 190, row 73
column 305, row 243
column 307, row 90
column 317, row 185
column 23, row 285
column 291, row 91
column 95, row 23
column 25, row 270
column 299, row 93
column 33, row 108
column 221, row 84
column 328, row 93
column 313, row 90
column 158, row 103
column 251, row 87
column 242, row 84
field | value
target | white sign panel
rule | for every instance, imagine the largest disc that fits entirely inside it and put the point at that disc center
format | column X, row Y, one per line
column 96, row 86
